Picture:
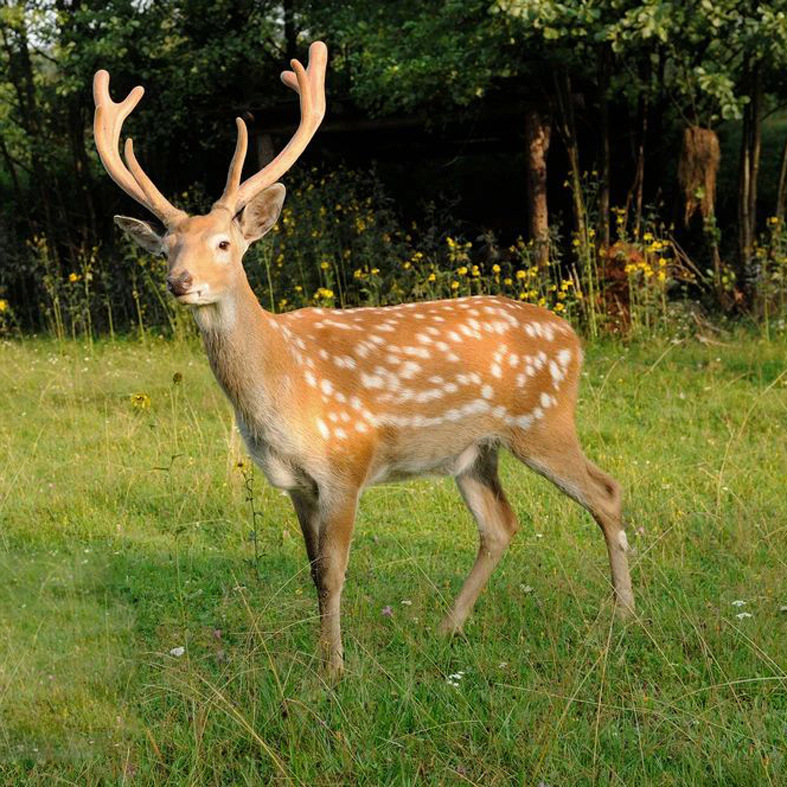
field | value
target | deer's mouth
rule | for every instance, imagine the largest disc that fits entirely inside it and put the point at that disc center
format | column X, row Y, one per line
column 194, row 297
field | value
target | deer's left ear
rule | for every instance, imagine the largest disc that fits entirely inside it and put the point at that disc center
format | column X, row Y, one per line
column 262, row 212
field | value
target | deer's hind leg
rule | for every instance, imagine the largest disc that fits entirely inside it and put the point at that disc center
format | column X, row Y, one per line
column 481, row 490
column 555, row 453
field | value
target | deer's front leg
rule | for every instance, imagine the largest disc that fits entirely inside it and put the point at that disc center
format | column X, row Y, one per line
column 308, row 513
column 336, row 522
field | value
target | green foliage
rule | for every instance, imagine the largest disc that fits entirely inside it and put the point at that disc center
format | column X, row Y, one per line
column 204, row 61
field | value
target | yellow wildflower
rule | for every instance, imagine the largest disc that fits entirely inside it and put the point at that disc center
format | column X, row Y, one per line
column 325, row 265
column 432, row 277
column 495, row 268
column 508, row 282
column 140, row 401
column 454, row 285
column 462, row 271
column 74, row 277
column 520, row 274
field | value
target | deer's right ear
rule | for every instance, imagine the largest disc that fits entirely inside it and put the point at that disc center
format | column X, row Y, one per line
column 262, row 212
column 142, row 234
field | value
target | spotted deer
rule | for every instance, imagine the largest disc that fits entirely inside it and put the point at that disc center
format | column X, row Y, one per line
column 330, row 401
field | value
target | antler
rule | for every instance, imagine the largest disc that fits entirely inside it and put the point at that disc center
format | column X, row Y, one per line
column 309, row 84
column 107, row 124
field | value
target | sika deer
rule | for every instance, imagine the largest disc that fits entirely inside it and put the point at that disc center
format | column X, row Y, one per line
column 330, row 401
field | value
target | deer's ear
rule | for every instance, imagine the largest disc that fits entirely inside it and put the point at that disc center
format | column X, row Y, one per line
column 141, row 233
column 262, row 212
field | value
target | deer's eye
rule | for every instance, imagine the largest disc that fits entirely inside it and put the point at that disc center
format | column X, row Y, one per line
column 224, row 245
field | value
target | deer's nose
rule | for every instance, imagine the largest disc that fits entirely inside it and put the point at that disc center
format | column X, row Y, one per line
column 180, row 284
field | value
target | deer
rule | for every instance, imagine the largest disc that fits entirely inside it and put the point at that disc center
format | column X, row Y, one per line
column 331, row 401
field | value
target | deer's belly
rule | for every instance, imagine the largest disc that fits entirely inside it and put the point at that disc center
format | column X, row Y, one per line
column 436, row 464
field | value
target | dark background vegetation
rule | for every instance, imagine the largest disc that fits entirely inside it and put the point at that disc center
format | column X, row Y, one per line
column 431, row 111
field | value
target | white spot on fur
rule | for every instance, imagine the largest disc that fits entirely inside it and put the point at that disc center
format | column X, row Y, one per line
column 547, row 400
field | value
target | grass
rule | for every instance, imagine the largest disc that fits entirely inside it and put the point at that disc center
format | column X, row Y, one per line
column 125, row 533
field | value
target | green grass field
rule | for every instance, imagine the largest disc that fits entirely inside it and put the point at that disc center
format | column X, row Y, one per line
column 125, row 532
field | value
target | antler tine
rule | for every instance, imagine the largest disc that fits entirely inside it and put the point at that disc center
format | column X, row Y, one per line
column 156, row 202
column 227, row 199
column 309, row 84
column 107, row 125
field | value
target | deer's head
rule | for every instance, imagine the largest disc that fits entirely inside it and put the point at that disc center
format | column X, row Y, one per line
column 205, row 252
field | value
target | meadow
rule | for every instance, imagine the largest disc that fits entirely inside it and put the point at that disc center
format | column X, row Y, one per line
column 158, row 623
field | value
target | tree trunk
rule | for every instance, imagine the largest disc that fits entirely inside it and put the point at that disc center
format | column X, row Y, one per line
column 568, row 131
column 605, row 63
column 747, row 184
column 637, row 190
column 639, row 178
column 781, row 194
column 19, row 197
column 538, row 130
column 20, row 73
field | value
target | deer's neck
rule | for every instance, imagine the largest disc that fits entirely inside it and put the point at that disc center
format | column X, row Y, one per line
column 244, row 349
